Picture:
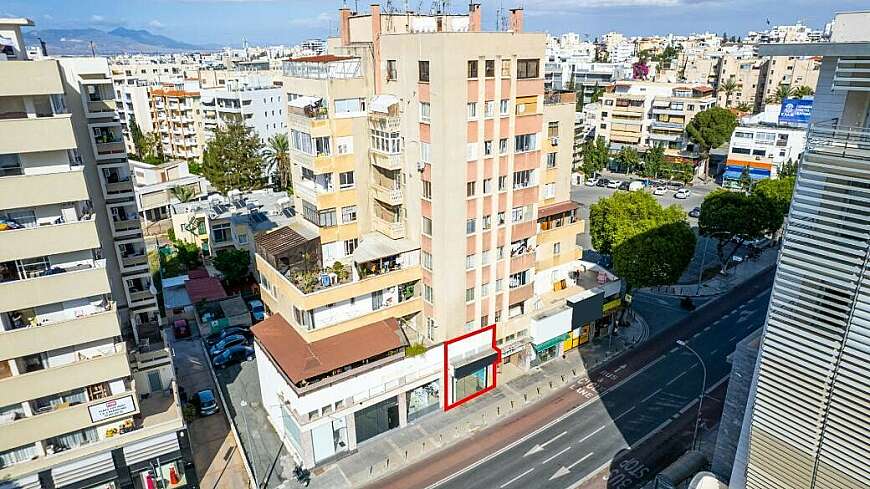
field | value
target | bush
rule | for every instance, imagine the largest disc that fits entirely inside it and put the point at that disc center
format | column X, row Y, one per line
column 415, row 350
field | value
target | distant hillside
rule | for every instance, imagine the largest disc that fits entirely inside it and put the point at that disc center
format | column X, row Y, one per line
column 116, row 41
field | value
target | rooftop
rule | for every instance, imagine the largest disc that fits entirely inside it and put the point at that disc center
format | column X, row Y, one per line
column 302, row 361
column 260, row 209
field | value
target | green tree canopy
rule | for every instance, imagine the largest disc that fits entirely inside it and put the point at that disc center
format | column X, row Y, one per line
column 653, row 162
column 801, row 91
column 782, row 93
column 711, row 128
column 233, row 264
column 278, row 156
column 628, row 159
column 595, row 156
column 774, row 196
column 233, row 159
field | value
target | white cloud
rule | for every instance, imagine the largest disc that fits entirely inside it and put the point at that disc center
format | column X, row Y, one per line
column 319, row 20
column 156, row 24
column 97, row 18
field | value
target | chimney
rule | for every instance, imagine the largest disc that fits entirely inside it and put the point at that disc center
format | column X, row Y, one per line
column 473, row 17
column 344, row 25
column 516, row 21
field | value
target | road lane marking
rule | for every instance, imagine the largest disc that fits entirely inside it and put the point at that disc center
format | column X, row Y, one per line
column 675, row 378
column 556, row 455
column 647, row 398
column 579, row 461
column 713, row 352
column 707, row 328
column 516, row 478
column 551, row 440
column 540, row 447
column 673, row 349
column 590, row 434
column 623, row 414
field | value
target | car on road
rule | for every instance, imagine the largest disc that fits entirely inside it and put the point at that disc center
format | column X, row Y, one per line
column 696, row 212
column 602, row 182
column 226, row 343
column 683, row 193
column 205, row 403
column 635, row 186
column 181, row 329
column 625, row 185
column 232, row 330
column 232, row 355
column 258, row 310
column 614, row 184
column 659, row 190
column 591, row 182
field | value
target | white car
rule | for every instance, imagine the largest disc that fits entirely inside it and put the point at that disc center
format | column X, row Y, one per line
column 683, row 193
column 614, row 184
column 659, row 190
column 591, row 182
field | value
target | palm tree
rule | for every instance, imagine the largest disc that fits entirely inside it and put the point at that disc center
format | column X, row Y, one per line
column 801, row 91
column 744, row 107
column 278, row 156
column 782, row 93
column 183, row 194
column 729, row 87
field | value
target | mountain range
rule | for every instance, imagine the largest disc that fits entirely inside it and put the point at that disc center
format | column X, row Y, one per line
column 117, row 41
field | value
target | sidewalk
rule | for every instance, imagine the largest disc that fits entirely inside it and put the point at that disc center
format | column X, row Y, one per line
column 400, row 447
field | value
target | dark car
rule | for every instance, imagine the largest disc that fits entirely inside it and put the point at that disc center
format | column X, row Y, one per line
column 232, row 330
column 205, row 403
column 181, row 328
column 602, row 182
column 625, row 185
column 233, row 354
column 226, row 343
column 696, row 212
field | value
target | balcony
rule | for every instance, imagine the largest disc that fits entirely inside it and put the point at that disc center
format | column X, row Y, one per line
column 134, row 261
column 87, row 324
column 84, row 371
column 392, row 230
column 75, row 283
column 831, row 139
column 560, row 97
column 48, row 240
column 391, row 195
column 121, row 187
column 387, row 161
column 101, row 108
column 25, row 135
column 19, row 191
column 25, row 78
column 126, row 225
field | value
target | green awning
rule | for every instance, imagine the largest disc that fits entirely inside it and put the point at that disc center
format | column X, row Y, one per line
column 550, row 343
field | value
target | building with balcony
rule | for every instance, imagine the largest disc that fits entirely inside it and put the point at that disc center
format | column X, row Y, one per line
column 434, row 213
column 252, row 102
column 806, row 420
column 155, row 187
column 176, row 116
column 87, row 395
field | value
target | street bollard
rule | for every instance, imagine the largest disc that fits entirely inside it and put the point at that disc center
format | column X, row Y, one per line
column 388, row 463
column 539, row 390
column 574, row 372
column 371, row 470
column 498, row 410
column 525, row 397
column 512, row 403
column 406, row 455
column 563, row 377
column 551, row 384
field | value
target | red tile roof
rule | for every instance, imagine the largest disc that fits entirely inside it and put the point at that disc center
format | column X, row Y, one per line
column 559, row 208
column 208, row 288
column 300, row 360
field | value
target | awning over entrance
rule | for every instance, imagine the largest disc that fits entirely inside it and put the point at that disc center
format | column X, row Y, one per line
column 478, row 362
column 550, row 343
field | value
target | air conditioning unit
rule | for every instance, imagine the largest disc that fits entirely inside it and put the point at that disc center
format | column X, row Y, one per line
column 554, row 141
column 421, row 165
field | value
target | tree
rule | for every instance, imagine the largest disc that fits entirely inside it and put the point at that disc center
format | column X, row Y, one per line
column 183, row 194
column 653, row 162
column 782, row 93
column 187, row 254
column 278, row 156
column 596, row 155
column 596, row 95
column 788, row 169
column 744, row 107
column 233, row 264
column 729, row 87
column 801, row 91
column 712, row 128
column 745, row 179
column 732, row 215
column 136, row 134
column 774, row 198
column 650, row 245
column 233, row 159
column 628, row 158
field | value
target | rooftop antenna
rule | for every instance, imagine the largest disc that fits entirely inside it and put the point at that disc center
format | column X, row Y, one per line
column 93, row 49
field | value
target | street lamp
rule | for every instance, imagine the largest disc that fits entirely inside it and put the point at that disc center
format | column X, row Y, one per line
column 703, row 389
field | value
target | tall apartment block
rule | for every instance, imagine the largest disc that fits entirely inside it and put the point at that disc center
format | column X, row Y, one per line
column 432, row 175
column 87, row 396
column 176, row 114
column 808, row 424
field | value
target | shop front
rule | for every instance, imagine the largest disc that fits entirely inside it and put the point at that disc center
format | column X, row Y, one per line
column 517, row 353
column 548, row 350
column 473, row 377
column 329, row 439
column 376, row 419
column 424, row 400
column 577, row 337
column 549, row 330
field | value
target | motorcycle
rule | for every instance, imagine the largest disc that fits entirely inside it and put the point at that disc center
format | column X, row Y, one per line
column 303, row 476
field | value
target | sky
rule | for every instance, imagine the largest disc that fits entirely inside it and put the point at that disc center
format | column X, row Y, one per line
column 227, row 22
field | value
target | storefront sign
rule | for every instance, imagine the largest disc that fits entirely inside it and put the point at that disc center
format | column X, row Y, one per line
column 112, row 408
column 609, row 306
column 514, row 347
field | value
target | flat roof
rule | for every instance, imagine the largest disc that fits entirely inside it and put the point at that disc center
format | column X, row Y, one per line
column 300, row 360
column 321, row 58
column 815, row 49
column 16, row 21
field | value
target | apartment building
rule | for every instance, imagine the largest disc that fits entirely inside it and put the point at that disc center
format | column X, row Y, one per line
column 177, row 115
column 155, row 188
column 253, row 102
column 647, row 114
column 87, row 395
column 790, row 72
column 807, row 423
column 436, row 177
column 758, row 79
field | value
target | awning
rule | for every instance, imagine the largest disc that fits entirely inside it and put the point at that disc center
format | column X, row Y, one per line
column 550, row 343
column 304, row 101
column 559, row 208
column 735, row 175
column 480, row 361
column 375, row 245
column 382, row 103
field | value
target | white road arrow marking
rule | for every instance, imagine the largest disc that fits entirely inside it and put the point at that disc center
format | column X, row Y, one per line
column 579, row 461
column 538, row 448
column 559, row 473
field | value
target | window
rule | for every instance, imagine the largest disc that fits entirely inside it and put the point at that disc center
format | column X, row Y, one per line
column 344, row 144
column 350, row 105
column 470, row 189
column 350, row 245
column 326, row 218
column 425, row 152
column 469, row 325
column 518, row 214
column 489, row 108
column 321, row 145
column 489, row 68
column 427, row 226
column 557, row 248
column 472, row 69
column 527, row 68
column 499, row 284
column 301, row 141
column 388, row 142
column 505, row 68
column 427, row 189
column 759, row 152
column 487, row 185
column 348, row 214
column 471, row 151
column 487, row 148
column 549, row 191
column 487, row 222
column 424, row 111
column 551, row 160
column 423, row 69
column 525, row 142
column 484, row 289
column 472, row 109
column 484, row 257
column 499, row 219
column 469, row 294
column 377, row 300
column 391, row 70
column 430, row 329
column 522, row 179
column 221, row 232
column 553, row 129
column 502, row 182
column 18, row 455
column 243, row 239
column 470, row 261
column 504, row 107
column 470, row 226
column 741, row 151
column 345, row 180
column 426, row 258
column 608, row 102
column 502, row 146
column 428, row 296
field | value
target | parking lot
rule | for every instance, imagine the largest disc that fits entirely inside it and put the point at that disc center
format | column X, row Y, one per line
column 590, row 195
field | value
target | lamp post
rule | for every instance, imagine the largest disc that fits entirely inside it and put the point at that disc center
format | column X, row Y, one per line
column 703, row 389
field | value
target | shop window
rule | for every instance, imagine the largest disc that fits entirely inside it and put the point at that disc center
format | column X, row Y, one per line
column 166, row 475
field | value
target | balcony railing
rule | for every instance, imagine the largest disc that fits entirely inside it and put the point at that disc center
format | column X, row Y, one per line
column 134, row 260
column 829, row 137
column 126, row 224
column 392, row 230
column 109, row 148
column 119, row 187
column 99, row 106
column 390, row 194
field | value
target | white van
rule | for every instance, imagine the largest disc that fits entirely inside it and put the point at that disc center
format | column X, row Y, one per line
column 635, row 186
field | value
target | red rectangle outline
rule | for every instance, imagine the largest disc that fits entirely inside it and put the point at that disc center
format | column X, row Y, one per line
column 447, row 405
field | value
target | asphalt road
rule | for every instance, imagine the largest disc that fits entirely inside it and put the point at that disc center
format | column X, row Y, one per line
column 564, row 440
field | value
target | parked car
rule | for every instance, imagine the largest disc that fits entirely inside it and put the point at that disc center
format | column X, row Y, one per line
column 232, row 330
column 205, row 403
column 181, row 329
column 683, row 193
column 624, row 185
column 602, row 182
column 635, row 186
column 258, row 310
column 233, row 354
column 659, row 190
column 591, row 182
column 227, row 342
column 614, row 184
column 696, row 212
